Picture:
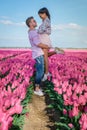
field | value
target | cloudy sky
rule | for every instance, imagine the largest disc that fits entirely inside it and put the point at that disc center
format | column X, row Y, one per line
column 68, row 18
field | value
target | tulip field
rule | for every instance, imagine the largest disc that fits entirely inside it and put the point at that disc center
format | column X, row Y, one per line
column 69, row 76
column 67, row 88
column 16, row 68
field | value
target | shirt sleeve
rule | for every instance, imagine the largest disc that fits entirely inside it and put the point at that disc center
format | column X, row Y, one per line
column 45, row 27
column 35, row 38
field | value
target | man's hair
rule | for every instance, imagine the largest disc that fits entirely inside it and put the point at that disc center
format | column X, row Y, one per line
column 28, row 20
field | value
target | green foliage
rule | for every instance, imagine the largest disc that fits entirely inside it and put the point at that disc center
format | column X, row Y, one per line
column 62, row 126
column 28, row 96
column 57, row 99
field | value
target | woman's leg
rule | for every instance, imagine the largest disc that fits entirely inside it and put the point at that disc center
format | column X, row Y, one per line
column 46, row 60
column 46, row 63
column 46, row 55
column 56, row 51
column 51, row 53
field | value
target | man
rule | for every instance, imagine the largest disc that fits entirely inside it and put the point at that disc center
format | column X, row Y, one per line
column 37, row 53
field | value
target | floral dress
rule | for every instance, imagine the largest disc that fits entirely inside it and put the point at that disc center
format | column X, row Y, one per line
column 44, row 32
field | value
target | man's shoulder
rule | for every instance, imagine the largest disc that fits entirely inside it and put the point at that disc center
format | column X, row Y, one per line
column 32, row 31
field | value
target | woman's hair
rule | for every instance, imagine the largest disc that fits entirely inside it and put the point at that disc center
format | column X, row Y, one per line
column 44, row 10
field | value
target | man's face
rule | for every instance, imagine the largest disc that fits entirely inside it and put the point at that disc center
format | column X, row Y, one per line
column 33, row 23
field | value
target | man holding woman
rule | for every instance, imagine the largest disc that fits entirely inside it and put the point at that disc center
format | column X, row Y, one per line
column 40, row 43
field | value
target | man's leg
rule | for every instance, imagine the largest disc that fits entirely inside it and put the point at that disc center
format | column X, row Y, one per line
column 39, row 71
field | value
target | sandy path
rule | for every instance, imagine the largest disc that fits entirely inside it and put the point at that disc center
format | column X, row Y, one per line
column 37, row 119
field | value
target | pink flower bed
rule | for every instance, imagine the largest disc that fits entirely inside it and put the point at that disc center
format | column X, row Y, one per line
column 69, row 75
column 15, row 75
column 4, row 53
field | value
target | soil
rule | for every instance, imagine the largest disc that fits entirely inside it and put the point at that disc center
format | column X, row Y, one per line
column 37, row 119
column 40, row 117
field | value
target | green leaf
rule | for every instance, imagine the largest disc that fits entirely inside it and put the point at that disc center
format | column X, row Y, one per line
column 62, row 125
column 62, row 118
column 51, row 106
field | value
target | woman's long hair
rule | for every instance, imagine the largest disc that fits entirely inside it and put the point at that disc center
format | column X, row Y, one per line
column 44, row 10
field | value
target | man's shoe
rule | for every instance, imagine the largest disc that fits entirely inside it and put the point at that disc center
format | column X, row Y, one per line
column 39, row 93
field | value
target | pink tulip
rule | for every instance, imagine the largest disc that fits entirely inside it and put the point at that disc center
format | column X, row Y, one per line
column 7, row 103
column 65, row 97
column 64, row 111
column 75, row 111
column 85, row 109
column 83, row 122
column 82, row 100
column 70, row 113
column 58, row 90
column 70, row 125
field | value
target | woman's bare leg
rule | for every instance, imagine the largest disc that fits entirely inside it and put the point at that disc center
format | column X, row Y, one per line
column 46, row 60
column 46, row 55
column 51, row 53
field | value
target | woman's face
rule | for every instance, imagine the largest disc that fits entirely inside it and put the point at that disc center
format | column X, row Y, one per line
column 43, row 15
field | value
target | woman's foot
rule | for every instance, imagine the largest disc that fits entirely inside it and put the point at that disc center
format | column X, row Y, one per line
column 46, row 76
column 59, row 51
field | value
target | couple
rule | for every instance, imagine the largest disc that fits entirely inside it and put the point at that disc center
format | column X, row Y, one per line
column 41, row 44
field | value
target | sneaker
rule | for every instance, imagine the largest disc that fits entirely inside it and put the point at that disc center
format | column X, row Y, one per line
column 59, row 51
column 39, row 93
column 44, row 78
column 49, row 74
column 41, row 89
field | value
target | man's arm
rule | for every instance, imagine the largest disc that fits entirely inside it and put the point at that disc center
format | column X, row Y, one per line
column 37, row 42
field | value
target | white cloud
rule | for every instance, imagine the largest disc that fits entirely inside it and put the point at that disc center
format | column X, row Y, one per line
column 6, row 22
column 63, row 35
column 69, row 35
column 59, row 27
column 4, row 17
column 66, row 26
column 9, row 22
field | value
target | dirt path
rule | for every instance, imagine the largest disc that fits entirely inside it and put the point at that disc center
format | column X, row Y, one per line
column 37, row 119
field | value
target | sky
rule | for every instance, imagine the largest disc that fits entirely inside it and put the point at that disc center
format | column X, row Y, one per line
column 68, row 21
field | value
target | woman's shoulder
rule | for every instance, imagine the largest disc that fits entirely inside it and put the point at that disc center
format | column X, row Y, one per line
column 47, row 20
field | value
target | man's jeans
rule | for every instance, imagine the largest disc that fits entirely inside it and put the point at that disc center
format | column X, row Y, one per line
column 39, row 66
